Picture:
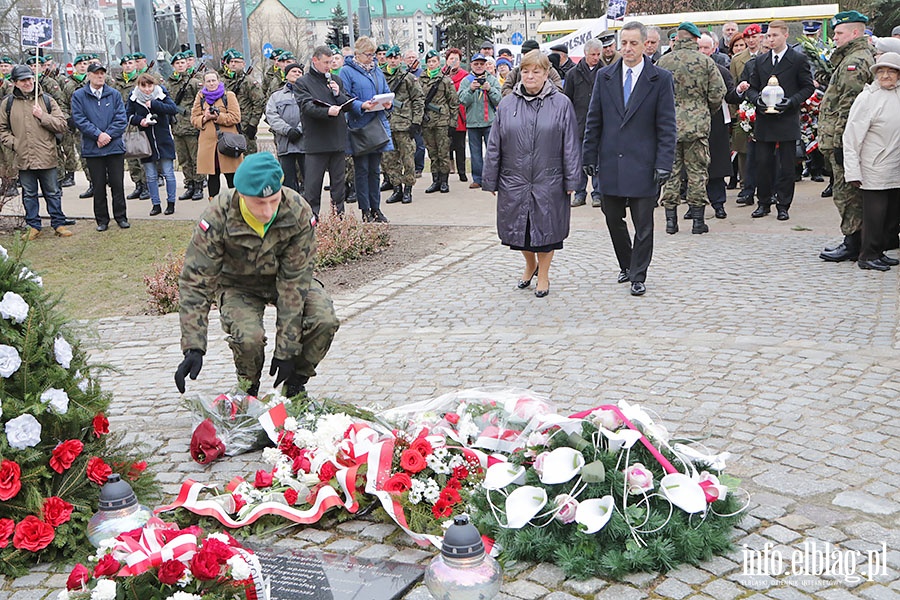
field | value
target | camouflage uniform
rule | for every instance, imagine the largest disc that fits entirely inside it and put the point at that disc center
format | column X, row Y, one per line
column 72, row 137
column 409, row 104
column 228, row 263
column 183, row 90
column 8, row 169
column 439, row 114
column 124, row 86
column 699, row 91
column 852, row 63
column 251, row 100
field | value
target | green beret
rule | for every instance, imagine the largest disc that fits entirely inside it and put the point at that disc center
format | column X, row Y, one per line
column 231, row 54
column 259, row 175
column 82, row 58
column 690, row 28
column 394, row 51
column 188, row 53
column 431, row 53
column 5, row 60
column 848, row 16
column 125, row 59
column 334, row 48
column 276, row 53
column 138, row 55
column 34, row 59
column 382, row 48
column 286, row 55
column 176, row 57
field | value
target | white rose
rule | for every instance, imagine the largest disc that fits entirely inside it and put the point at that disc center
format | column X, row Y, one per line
column 3, row 253
column 63, row 351
column 184, row 596
column 240, row 570
column 105, row 590
column 13, row 306
column 10, row 361
column 57, row 399
column 30, row 276
column 23, row 432
column 290, row 424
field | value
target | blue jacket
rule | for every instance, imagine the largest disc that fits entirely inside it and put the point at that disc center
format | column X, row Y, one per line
column 364, row 85
column 93, row 117
column 162, row 144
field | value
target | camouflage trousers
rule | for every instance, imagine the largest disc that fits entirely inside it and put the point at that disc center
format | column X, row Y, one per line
column 437, row 143
column 241, row 313
column 136, row 171
column 186, row 151
column 693, row 157
column 847, row 198
column 66, row 153
column 252, row 147
column 8, row 164
column 399, row 163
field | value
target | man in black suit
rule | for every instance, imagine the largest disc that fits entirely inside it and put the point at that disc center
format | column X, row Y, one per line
column 777, row 134
column 629, row 142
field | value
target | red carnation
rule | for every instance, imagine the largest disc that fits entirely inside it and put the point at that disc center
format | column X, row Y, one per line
column 219, row 549
column 101, row 425
column 412, row 461
column 170, row 572
column 263, row 479
column 137, row 467
column 450, row 495
column 78, row 577
column 239, row 502
column 290, row 496
column 452, row 418
column 32, row 534
column 422, row 446
column 57, row 511
column 65, row 454
column 10, row 479
column 6, row 529
column 302, row 462
column 98, row 471
column 398, row 483
column 460, row 472
column 441, row 509
column 107, row 566
column 205, row 565
column 327, row 472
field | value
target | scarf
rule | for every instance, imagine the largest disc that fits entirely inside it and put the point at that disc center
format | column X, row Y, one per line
column 432, row 73
column 367, row 68
column 141, row 98
column 389, row 70
column 129, row 76
column 211, row 97
column 79, row 77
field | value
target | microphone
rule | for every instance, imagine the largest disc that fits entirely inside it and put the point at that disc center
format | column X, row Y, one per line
column 329, row 81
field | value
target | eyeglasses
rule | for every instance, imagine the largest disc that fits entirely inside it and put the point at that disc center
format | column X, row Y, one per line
column 369, row 54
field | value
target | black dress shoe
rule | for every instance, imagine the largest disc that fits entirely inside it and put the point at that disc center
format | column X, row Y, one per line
column 542, row 293
column 818, row 178
column 732, row 184
column 828, row 192
column 761, row 211
column 103, row 227
column 638, row 288
column 123, row 224
column 782, row 213
column 720, row 212
column 69, row 222
column 525, row 283
column 887, row 260
column 88, row 193
column 744, row 200
column 623, row 276
column 872, row 265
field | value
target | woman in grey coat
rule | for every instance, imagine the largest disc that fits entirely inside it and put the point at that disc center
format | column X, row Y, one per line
column 283, row 116
column 533, row 163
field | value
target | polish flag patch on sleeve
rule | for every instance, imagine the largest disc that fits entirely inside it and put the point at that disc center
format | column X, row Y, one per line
column 313, row 221
column 851, row 67
column 204, row 225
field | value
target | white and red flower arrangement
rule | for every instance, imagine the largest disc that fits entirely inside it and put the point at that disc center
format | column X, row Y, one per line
column 747, row 116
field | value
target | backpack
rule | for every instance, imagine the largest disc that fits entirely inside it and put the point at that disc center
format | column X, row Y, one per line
column 8, row 99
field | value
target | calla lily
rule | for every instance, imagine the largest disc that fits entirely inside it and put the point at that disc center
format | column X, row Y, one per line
column 712, row 488
column 561, row 465
column 624, row 438
column 501, row 474
column 715, row 461
column 683, row 492
column 523, row 504
column 594, row 514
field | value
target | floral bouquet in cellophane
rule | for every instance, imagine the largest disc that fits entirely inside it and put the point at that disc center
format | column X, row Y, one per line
column 227, row 424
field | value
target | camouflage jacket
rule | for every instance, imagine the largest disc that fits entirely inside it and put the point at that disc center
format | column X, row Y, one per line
column 699, row 89
column 852, row 63
column 268, row 76
column 123, row 86
column 444, row 106
column 409, row 100
column 50, row 86
column 225, row 252
column 250, row 98
column 183, row 91
column 71, row 86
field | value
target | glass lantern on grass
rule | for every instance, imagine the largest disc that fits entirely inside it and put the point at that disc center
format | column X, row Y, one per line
column 119, row 511
column 463, row 571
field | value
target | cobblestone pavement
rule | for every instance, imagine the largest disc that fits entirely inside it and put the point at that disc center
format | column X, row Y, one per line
column 745, row 340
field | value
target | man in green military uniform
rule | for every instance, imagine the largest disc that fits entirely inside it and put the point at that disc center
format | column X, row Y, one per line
column 249, row 95
column 183, row 89
column 381, row 55
column 852, row 60
column 699, row 91
column 255, row 246
column 124, row 84
column 72, row 139
column 272, row 70
column 441, row 108
column 8, row 170
column 277, row 81
column 406, row 121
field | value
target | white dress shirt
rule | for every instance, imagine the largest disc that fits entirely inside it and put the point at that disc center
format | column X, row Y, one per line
column 635, row 73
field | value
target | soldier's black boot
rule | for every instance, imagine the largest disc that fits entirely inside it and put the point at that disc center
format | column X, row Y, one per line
column 253, row 390
column 198, row 191
column 689, row 213
column 188, row 191
column 848, row 250
column 387, row 185
column 435, row 184
column 295, row 386
column 671, row 220
column 397, row 196
column 445, row 186
column 68, row 180
column 88, row 193
column 829, row 191
column 145, row 192
column 407, row 194
column 136, row 193
column 700, row 225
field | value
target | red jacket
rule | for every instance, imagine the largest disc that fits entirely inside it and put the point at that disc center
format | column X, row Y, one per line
column 457, row 78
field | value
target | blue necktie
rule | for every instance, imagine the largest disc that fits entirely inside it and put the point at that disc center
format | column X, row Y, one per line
column 627, row 88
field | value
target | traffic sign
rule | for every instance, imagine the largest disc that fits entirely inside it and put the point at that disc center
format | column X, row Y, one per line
column 267, row 49
column 70, row 69
column 517, row 39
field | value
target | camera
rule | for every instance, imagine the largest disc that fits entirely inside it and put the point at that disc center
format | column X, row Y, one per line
column 215, row 110
column 480, row 80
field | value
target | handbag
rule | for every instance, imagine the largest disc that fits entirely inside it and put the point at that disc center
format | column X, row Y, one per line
column 137, row 144
column 369, row 138
column 230, row 144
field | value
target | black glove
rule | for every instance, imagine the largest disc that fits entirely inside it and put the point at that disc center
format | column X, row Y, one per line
column 415, row 129
column 589, row 170
column 839, row 156
column 294, row 135
column 250, row 131
column 760, row 104
column 71, row 123
column 191, row 365
column 661, row 176
column 784, row 105
column 281, row 370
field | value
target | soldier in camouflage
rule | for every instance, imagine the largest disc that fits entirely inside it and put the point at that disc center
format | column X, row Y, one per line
column 72, row 138
column 255, row 245
column 271, row 71
column 183, row 89
column 249, row 95
column 277, row 81
column 8, row 170
column 441, row 108
column 124, row 83
column 406, row 121
column 852, row 60
column 699, row 91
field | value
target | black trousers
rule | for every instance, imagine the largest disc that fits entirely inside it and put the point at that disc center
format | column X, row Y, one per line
column 316, row 165
column 458, row 150
column 633, row 257
column 215, row 185
column 108, row 171
column 775, row 165
column 293, row 166
column 881, row 209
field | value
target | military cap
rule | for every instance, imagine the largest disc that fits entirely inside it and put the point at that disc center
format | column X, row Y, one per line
column 431, row 53
column 35, row 59
column 82, row 58
column 276, row 53
column 5, row 60
column 811, row 27
column 529, row 45
column 231, row 54
column 752, row 29
column 138, row 55
column 125, row 59
column 176, row 57
column 382, row 48
column 848, row 16
column 607, row 38
column 560, row 48
column 334, row 48
column 487, row 44
column 20, row 72
column 286, row 56
column 258, row 175
column 394, row 51
column 690, row 28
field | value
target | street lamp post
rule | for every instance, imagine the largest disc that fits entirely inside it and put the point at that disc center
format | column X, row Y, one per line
column 524, row 13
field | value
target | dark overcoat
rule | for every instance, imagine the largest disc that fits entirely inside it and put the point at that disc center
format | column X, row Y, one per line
column 795, row 77
column 162, row 144
column 719, row 146
column 578, row 87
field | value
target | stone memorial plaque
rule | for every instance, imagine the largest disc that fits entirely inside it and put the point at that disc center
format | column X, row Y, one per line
column 314, row 575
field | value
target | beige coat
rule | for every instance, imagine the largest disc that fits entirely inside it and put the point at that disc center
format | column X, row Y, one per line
column 32, row 139
column 206, row 146
column 872, row 139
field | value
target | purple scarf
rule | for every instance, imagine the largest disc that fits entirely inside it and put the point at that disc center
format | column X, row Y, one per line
column 211, row 97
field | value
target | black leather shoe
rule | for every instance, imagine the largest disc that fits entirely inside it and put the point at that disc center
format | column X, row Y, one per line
column 463, row 178
column 638, row 288
column 817, row 178
column 157, row 209
column 170, row 208
column 839, row 254
column 138, row 188
column 828, row 192
column 541, row 293
column 103, row 227
column 88, row 193
column 761, row 211
column 744, row 200
column 69, row 222
column 145, row 192
column 525, row 283
column 720, row 212
column 386, row 186
column 887, row 260
column 782, row 213
column 623, row 276
column 732, row 184
column 397, row 196
column 123, row 224
column 872, row 265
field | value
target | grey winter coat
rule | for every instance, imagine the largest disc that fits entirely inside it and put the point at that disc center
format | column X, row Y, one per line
column 533, row 158
column 283, row 114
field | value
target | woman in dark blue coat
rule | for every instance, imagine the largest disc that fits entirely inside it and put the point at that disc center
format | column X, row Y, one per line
column 150, row 108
